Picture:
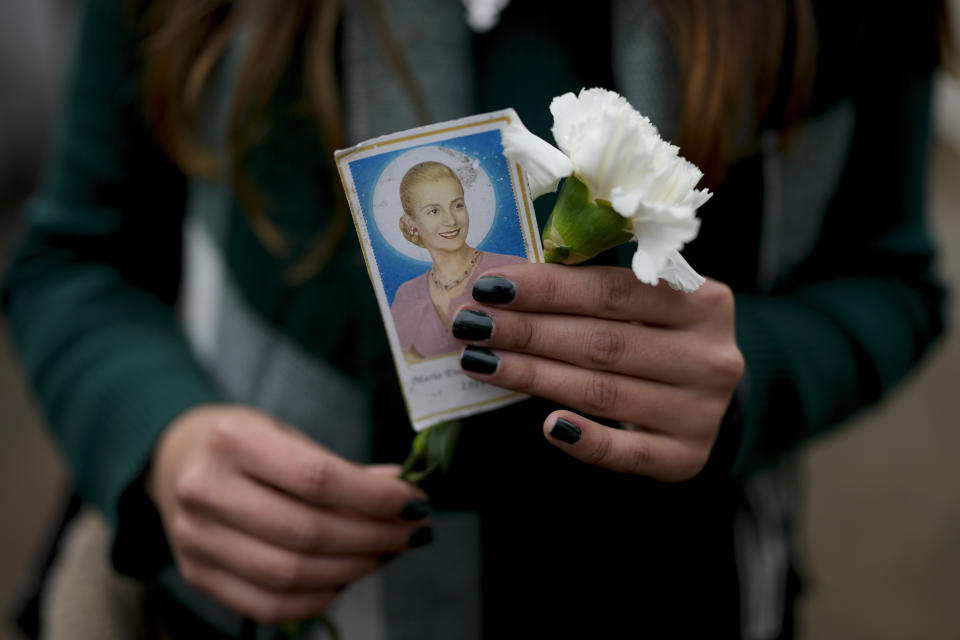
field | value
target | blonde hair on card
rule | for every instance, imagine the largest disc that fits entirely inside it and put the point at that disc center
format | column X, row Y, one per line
column 429, row 171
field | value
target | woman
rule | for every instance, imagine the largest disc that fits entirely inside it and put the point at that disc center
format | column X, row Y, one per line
column 173, row 390
column 435, row 217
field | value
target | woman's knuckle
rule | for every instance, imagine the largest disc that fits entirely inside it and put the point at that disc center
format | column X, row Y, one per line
column 726, row 363
column 388, row 501
column 194, row 575
column 522, row 334
column 601, row 449
column 182, row 531
column 600, row 393
column 702, row 457
column 615, row 287
column 326, row 598
column 269, row 610
column 190, row 487
column 704, row 428
column 189, row 574
column 303, row 535
column 222, row 437
column 337, row 572
column 547, row 290
column 640, row 455
column 286, row 573
column 689, row 463
column 717, row 296
column 524, row 377
column 316, row 478
column 695, row 463
column 392, row 539
column 605, row 346
column 362, row 568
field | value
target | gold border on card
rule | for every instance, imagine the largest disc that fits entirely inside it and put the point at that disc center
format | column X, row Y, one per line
column 423, row 134
column 526, row 207
column 354, row 215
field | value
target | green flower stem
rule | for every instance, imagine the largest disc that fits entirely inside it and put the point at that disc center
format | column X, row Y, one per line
column 579, row 227
column 432, row 449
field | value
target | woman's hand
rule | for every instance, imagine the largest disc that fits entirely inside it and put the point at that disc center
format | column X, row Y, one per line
column 596, row 339
column 267, row 521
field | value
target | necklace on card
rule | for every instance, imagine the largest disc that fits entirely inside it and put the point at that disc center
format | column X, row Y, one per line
column 450, row 284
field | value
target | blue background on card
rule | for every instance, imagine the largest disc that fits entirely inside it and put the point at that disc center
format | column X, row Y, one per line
column 505, row 235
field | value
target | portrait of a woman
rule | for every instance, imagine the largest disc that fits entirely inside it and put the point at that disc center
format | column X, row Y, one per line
column 435, row 217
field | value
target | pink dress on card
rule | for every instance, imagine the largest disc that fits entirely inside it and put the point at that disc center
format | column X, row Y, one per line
column 419, row 326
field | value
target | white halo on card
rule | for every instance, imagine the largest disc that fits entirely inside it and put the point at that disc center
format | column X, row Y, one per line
column 478, row 194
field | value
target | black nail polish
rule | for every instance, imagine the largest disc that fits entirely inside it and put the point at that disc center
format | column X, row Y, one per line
column 472, row 325
column 494, row 289
column 566, row 431
column 387, row 557
column 420, row 537
column 479, row 360
column 415, row 510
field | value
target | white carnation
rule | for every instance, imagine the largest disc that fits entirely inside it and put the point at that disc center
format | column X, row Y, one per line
column 618, row 154
column 542, row 162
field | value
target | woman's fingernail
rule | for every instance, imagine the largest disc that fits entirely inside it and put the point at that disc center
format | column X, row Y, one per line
column 420, row 537
column 415, row 510
column 387, row 557
column 494, row 289
column 566, row 431
column 472, row 325
column 479, row 360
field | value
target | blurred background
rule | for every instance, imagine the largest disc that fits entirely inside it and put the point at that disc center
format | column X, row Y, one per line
column 881, row 537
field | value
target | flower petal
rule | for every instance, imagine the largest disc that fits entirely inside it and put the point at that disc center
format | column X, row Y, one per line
column 658, row 239
column 673, row 268
column 680, row 275
column 609, row 143
column 619, row 154
column 697, row 198
column 543, row 163
column 646, row 267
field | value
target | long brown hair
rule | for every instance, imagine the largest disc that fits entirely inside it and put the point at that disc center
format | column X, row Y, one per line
column 187, row 38
column 735, row 56
column 732, row 54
